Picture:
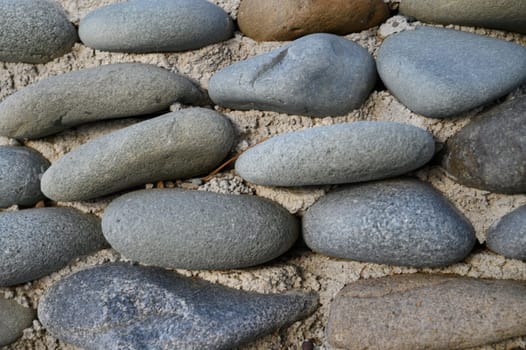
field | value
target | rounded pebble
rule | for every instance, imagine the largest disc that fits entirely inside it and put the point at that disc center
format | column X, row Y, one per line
column 14, row 318
column 507, row 236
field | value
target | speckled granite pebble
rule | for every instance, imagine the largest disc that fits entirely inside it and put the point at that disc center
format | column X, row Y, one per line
column 125, row 307
column 507, row 236
column 14, row 318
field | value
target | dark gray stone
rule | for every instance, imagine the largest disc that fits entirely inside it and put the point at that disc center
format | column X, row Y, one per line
column 109, row 91
column 503, row 14
column 399, row 222
column 34, row 31
column 177, row 145
column 20, row 171
column 336, row 154
column 14, row 318
column 317, row 75
column 155, row 26
column 507, row 236
column 489, row 153
column 426, row 311
column 125, row 307
column 36, row 242
column 441, row 72
column 205, row 230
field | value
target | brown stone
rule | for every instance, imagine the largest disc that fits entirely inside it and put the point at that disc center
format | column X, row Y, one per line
column 280, row 20
column 425, row 311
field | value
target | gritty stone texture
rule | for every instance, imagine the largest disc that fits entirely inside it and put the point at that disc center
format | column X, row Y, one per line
column 440, row 72
column 36, row 242
column 290, row 19
column 14, row 318
column 34, row 31
column 317, row 75
column 424, row 311
column 176, row 145
column 155, row 26
column 336, row 154
column 399, row 222
column 508, row 235
column 109, row 91
column 20, row 171
column 489, row 153
column 205, row 230
column 120, row 306
column 504, row 14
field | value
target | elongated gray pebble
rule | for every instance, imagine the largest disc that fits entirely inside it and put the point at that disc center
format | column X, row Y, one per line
column 317, row 75
column 34, row 31
column 155, row 26
column 398, row 222
column 205, row 230
column 507, row 236
column 336, row 154
column 120, row 306
column 36, row 242
column 426, row 311
column 177, row 145
column 441, row 72
column 20, row 171
column 109, row 91
column 14, row 318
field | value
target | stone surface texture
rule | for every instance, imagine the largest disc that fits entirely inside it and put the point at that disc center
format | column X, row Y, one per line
column 507, row 236
column 14, row 318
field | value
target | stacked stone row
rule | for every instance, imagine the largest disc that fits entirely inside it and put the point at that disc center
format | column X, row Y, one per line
column 375, row 217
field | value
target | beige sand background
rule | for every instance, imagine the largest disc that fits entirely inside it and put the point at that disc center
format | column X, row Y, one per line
column 299, row 268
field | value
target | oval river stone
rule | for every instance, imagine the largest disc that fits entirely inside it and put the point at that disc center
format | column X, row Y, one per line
column 110, row 91
column 120, row 306
column 336, row 154
column 36, row 242
column 177, row 145
column 317, row 75
column 14, row 318
column 20, row 171
column 425, row 311
column 507, row 236
column 155, row 26
column 398, row 222
column 205, row 230
column 34, row 31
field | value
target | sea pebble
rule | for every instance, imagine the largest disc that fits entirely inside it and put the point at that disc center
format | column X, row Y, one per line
column 36, row 242
column 20, row 171
column 336, row 154
column 399, row 222
column 109, row 91
column 34, row 31
column 426, row 311
column 317, row 75
column 120, row 306
column 205, row 230
column 441, row 72
column 14, row 318
column 290, row 19
column 507, row 236
column 155, row 26
column 176, row 145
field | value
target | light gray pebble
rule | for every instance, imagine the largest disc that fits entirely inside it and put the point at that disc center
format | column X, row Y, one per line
column 14, row 318
column 317, row 75
column 507, row 236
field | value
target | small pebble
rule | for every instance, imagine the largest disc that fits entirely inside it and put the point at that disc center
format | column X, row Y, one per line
column 14, row 318
column 507, row 236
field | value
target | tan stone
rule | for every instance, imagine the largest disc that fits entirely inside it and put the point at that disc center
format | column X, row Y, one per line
column 268, row 20
column 422, row 311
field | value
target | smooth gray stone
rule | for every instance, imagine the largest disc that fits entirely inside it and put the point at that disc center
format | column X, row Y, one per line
column 109, row 91
column 204, row 231
column 177, row 145
column 426, row 311
column 125, row 307
column 489, row 153
column 441, row 72
column 20, row 171
column 34, row 31
column 317, row 75
column 336, row 154
column 37, row 242
column 14, row 318
column 155, row 26
column 503, row 14
column 507, row 236
column 399, row 222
